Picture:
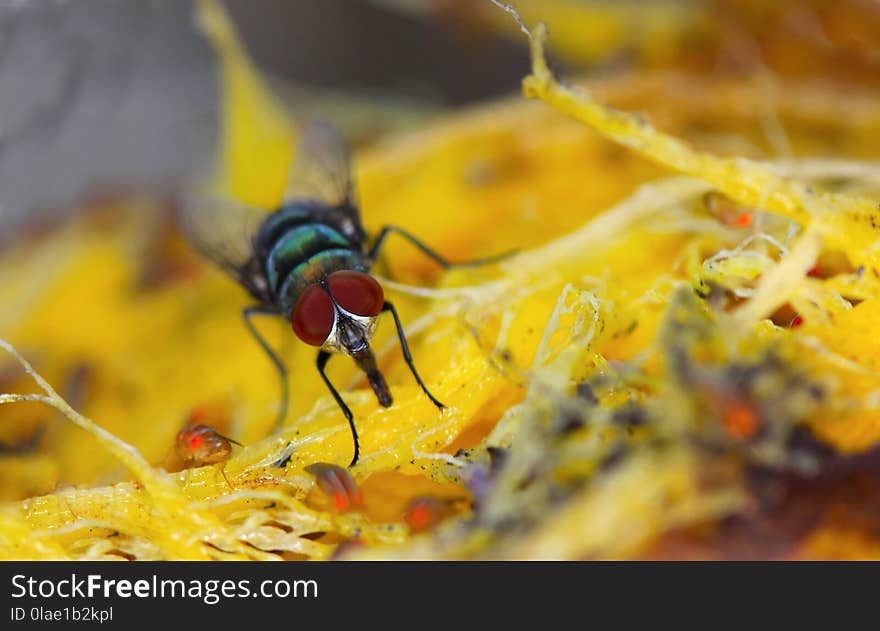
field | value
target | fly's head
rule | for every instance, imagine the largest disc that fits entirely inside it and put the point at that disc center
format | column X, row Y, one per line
column 339, row 313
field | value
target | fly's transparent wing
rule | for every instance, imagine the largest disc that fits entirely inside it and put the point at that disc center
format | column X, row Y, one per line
column 223, row 229
column 321, row 168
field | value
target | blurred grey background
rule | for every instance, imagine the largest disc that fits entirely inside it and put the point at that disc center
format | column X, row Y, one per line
column 114, row 94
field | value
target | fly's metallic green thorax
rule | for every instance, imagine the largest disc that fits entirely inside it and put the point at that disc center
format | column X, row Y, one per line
column 302, row 243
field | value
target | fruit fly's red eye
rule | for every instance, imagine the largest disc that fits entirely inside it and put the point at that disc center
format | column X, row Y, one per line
column 196, row 441
column 312, row 318
column 356, row 292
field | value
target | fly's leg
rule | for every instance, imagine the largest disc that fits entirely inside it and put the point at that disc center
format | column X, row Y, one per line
column 406, row 354
column 279, row 365
column 430, row 253
column 225, row 477
column 323, row 358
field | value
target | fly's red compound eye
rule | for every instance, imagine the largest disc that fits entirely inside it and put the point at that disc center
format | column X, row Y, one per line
column 312, row 317
column 356, row 292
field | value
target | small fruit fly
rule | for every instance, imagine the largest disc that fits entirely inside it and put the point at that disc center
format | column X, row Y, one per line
column 338, row 484
column 727, row 211
column 201, row 445
column 427, row 511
